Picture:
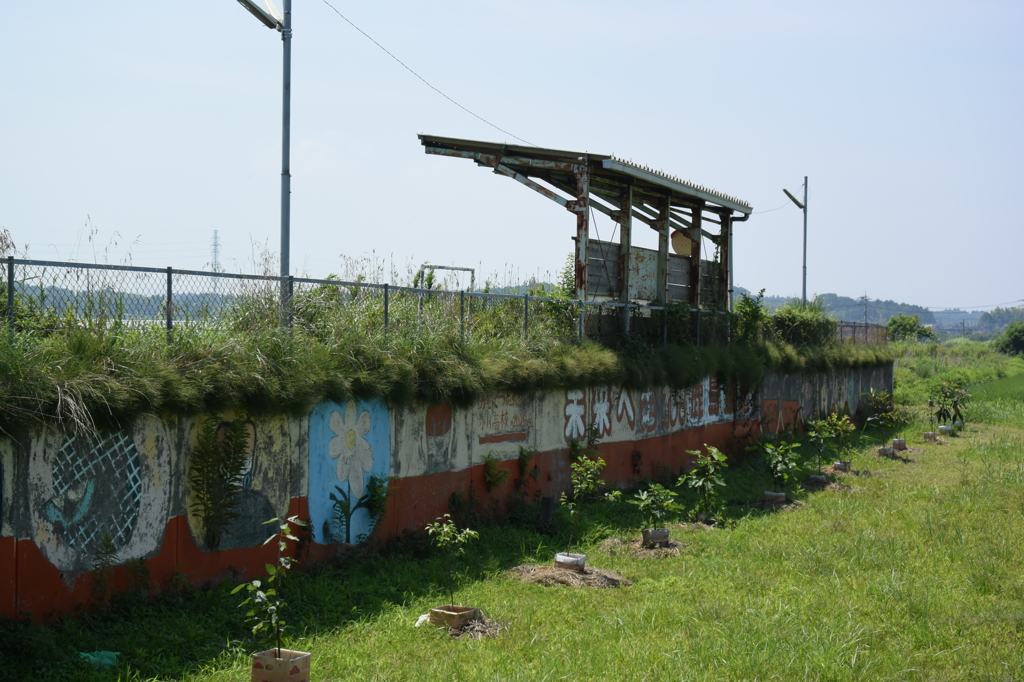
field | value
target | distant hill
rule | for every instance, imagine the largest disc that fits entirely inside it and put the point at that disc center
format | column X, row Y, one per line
column 879, row 312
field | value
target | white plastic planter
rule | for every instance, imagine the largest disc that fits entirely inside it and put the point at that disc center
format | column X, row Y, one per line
column 574, row 562
column 655, row 536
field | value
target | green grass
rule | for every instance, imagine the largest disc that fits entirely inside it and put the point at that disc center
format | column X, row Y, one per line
column 912, row 574
column 920, row 367
column 108, row 376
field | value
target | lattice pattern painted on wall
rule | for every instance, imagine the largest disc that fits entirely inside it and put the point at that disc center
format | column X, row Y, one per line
column 97, row 490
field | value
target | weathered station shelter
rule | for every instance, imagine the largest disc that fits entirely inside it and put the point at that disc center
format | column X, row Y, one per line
column 695, row 220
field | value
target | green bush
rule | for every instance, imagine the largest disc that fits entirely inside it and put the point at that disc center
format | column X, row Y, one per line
column 1011, row 341
column 908, row 328
column 804, row 326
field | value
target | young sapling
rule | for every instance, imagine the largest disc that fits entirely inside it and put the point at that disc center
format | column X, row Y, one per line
column 451, row 540
column 265, row 603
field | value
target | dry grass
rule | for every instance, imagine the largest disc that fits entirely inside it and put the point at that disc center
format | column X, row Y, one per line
column 550, row 576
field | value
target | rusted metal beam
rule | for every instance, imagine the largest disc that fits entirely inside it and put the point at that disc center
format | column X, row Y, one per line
column 540, row 189
column 581, row 207
column 724, row 285
column 625, row 221
column 695, row 239
column 663, row 239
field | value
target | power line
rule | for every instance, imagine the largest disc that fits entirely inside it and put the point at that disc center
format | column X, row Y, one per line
column 771, row 209
column 425, row 81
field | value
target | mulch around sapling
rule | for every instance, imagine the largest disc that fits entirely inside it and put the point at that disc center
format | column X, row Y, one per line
column 900, row 455
column 832, row 471
column 479, row 628
column 788, row 505
column 833, row 486
column 638, row 549
column 550, row 575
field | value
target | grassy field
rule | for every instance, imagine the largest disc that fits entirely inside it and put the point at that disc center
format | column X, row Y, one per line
column 914, row 572
column 919, row 367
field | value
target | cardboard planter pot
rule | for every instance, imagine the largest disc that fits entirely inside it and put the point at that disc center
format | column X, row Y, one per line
column 929, row 436
column 774, row 497
column 886, row 451
column 453, row 615
column 841, row 466
column 899, row 444
column 945, row 430
column 292, row 666
column 655, row 536
column 574, row 562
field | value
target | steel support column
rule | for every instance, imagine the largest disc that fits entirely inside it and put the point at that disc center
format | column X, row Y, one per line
column 581, row 207
column 724, row 267
column 625, row 219
column 695, row 240
column 663, row 228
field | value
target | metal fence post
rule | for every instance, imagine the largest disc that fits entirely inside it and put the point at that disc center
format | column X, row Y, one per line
column 579, row 321
column 462, row 313
column 698, row 325
column 625, row 320
column 526, row 316
column 10, row 295
column 290, row 314
column 170, row 302
column 664, row 326
column 386, row 310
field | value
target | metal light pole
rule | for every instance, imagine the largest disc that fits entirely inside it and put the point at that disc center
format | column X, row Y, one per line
column 803, row 207
column 273, row 19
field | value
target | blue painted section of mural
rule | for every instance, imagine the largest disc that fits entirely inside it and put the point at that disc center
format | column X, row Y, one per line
column 348, row 444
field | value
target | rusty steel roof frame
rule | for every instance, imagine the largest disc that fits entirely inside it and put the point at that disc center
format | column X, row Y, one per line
column 606, row 183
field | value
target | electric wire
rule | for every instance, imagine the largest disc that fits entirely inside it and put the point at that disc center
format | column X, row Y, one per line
column 425, row 81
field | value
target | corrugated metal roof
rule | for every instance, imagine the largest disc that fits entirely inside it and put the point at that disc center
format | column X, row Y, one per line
column 612, row 166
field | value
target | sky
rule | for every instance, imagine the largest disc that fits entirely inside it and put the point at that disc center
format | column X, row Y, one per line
column 132, row 130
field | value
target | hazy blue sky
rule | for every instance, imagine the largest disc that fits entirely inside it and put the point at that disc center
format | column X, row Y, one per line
column 160, row 121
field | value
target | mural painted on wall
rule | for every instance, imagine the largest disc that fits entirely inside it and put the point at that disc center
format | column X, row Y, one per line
column 348, row 445
column 85, row 488
column 504, row 418
column 575, row 415
column 265, row 481
column 624, row 408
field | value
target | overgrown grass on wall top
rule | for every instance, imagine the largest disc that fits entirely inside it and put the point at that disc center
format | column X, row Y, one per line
column 99, row 378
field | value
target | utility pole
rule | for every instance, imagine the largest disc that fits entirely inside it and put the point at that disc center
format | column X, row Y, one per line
column 803, row 207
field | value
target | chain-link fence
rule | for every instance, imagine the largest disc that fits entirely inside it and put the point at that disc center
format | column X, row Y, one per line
column 49, row 296
column 862, row 332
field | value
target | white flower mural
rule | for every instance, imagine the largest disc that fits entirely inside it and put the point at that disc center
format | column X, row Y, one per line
column 350, row 448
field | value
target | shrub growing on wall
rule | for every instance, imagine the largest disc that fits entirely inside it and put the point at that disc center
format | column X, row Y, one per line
column 216, row 472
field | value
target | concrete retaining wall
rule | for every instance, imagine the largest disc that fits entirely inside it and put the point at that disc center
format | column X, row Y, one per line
column 61, row 493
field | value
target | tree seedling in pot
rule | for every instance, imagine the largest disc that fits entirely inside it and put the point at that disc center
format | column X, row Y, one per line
column 783, row 464
column 705, row 478
column 451, row 541
column 266, row 603
column 655, row 504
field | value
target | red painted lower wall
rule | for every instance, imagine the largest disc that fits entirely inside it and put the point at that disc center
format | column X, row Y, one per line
column 30, row 585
